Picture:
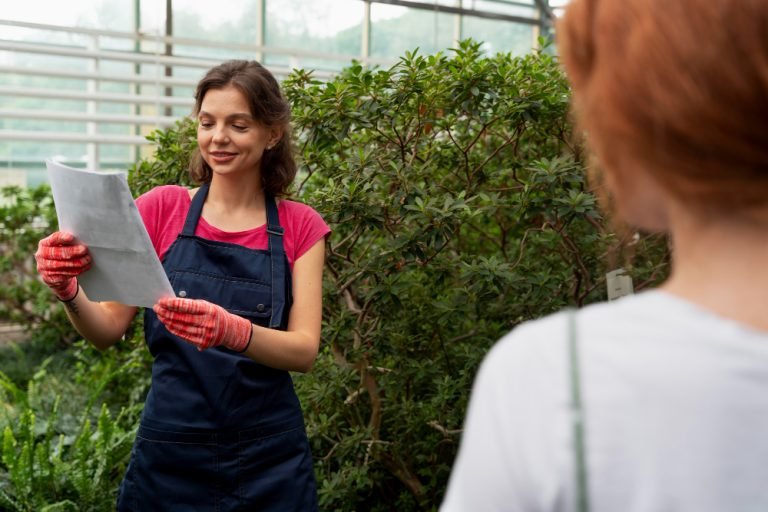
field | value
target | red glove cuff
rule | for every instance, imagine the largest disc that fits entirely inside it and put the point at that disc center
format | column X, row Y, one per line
column 67, row 292
column 240, row 337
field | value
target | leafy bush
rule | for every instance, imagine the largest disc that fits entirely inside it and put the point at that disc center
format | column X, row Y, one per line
column 42, row 479
column 459, row 207
column 60, row 450
column 26, row 216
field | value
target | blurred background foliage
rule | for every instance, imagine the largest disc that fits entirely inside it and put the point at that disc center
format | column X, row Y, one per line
column 456, row 191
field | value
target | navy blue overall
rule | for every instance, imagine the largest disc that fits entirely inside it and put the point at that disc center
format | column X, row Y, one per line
column 219, row 431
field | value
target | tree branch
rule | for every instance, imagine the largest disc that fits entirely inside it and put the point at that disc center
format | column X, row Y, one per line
column 446, row 432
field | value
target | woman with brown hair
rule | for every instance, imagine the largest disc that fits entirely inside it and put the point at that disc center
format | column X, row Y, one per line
column 222, row 428
column 657, row 401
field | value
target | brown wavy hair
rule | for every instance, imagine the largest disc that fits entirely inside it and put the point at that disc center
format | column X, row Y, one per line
column 679, row 87
column 267, row 105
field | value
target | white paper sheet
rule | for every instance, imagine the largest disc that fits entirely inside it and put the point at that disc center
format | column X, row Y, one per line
column 97, row 207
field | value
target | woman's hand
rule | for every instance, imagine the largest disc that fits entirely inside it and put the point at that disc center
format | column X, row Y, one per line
column 60, row 259
column 204, row 324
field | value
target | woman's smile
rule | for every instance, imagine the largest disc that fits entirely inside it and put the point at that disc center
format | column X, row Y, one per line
column 222, row 157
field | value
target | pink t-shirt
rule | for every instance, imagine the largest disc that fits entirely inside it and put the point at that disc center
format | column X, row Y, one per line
column 164, row 210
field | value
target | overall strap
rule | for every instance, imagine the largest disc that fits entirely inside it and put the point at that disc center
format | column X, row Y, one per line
column 277, row 261
column 195, row 209
column 577, row 415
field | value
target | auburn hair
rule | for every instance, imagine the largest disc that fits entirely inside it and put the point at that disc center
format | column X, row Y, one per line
column 267, row 105
column 677, row 86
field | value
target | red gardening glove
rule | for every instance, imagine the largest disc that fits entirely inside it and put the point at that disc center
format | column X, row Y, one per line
column 60, row 259
column 203, row 324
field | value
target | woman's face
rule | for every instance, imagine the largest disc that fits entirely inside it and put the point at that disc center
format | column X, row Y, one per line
column 231, row 140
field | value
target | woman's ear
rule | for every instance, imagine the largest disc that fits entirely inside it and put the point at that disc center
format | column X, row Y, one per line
column 275, row 135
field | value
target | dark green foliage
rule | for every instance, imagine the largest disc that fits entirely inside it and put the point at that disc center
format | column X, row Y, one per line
column 26, row 216
column 62, row 446
column 459, row 208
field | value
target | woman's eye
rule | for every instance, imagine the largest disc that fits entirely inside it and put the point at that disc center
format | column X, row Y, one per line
column 239, row 127
column 205, row 124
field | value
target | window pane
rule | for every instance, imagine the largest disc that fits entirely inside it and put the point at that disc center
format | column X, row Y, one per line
column 152, row 14
column 93, row 14
column 499, row 36
column 115, row 156
column 199, row 19
column 525, row 8
column 195, row 19
column 326, row 26
column 395, row 30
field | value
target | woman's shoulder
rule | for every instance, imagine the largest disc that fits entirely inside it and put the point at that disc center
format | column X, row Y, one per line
column 634, row 316
column 645, row 324
column 164, row 193
column 163, row 198
column 296, row 208
column 298, row 216
column 303, row 225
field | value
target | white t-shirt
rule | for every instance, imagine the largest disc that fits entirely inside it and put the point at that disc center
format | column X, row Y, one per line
column 675, row 410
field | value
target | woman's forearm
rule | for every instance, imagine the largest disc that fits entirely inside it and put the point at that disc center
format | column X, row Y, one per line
column 294, row 351
column 101, row 323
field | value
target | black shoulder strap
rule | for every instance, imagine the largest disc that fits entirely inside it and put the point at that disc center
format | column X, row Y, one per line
column 195, row 209
column 277, row 261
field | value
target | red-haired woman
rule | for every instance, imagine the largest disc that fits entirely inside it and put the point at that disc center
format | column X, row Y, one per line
column 658, row 401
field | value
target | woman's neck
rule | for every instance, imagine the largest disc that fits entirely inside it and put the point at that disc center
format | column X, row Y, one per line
column 721, row 263
column 232, row 205
column 236, row 191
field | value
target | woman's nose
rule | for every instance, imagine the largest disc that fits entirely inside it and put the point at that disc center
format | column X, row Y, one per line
column 220, row 135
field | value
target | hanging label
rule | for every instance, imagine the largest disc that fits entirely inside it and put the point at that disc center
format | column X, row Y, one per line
column 619, row 284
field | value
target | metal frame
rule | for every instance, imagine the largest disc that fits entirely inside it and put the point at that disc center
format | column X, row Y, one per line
column 464, row 11
column 49, row 115
column 138, row 97
column 149, row 103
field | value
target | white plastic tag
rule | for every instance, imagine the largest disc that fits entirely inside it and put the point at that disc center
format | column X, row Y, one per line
column 619, row 284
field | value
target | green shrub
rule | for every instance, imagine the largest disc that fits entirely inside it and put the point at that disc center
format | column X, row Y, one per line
column 48, row 470
column 26, row 216
column 459, row 207
column 60, row 451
